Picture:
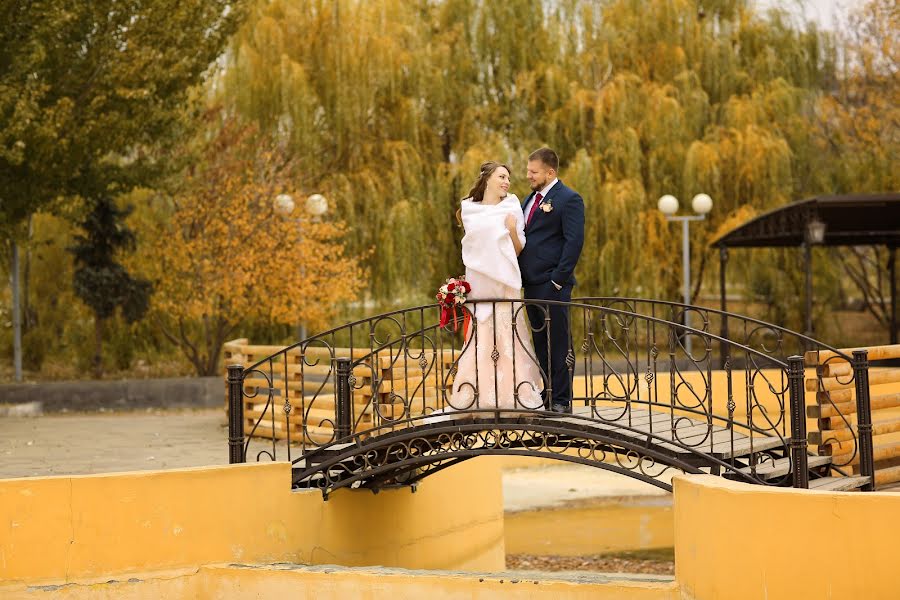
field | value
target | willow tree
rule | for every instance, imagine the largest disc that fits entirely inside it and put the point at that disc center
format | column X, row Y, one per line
column 330, row 80
column 858, row 133
column 392, row 104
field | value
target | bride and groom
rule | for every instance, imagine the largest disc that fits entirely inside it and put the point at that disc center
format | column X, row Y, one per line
column 509, row 246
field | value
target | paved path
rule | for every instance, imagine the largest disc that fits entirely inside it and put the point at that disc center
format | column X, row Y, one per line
column 566, row 484
column 102, row 443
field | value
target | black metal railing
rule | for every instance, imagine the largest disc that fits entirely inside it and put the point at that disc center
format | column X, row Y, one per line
column 653, row 380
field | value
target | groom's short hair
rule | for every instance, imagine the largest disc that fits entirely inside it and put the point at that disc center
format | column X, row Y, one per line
column 546, row 156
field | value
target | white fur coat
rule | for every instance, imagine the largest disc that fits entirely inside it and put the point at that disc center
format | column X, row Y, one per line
column 492, row 267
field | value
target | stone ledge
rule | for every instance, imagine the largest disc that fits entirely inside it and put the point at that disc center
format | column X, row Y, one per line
column 125, row 394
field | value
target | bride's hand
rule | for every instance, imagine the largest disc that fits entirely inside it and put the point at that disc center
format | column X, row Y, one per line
column 510, row 223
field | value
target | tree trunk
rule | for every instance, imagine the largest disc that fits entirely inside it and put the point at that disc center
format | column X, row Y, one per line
column 214, row 345
column 28, row 318
column 17, row 313
column 98, row 347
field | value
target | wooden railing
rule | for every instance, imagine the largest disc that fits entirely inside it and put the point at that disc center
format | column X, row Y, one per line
column 834, row 395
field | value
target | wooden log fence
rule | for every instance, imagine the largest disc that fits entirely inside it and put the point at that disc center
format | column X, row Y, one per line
column 834, row 406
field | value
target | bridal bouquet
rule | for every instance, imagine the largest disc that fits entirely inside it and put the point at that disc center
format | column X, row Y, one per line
column 449, row 297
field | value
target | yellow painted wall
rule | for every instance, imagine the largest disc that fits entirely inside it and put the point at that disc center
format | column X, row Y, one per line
column 735, row 541
column 592, row 527
column 161, row 534
column 75, row 528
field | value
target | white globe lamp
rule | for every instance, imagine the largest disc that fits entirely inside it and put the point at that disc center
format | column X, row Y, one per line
column 668, row 204
column 283, row 204
column 316, row 205
column 702, row 204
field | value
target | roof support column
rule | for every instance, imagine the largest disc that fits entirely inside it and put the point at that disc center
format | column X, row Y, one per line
column 807, row 265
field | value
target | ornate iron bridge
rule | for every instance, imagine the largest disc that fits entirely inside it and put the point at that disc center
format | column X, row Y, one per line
column 391, row 399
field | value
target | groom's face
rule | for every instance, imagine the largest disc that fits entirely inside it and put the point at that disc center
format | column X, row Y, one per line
column 539, row 174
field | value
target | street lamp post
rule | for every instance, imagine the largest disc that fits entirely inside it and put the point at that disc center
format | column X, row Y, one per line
column 316, row 205
column 668, row 205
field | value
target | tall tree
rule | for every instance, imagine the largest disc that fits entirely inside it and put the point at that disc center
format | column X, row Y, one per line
column 222, row 256
column 858, row 136
column 100, row 280
column 89, row 91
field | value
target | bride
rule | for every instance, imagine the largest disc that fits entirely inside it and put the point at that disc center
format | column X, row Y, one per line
column 497, row 367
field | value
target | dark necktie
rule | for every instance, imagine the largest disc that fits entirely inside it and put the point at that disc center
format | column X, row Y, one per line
column 537, row 200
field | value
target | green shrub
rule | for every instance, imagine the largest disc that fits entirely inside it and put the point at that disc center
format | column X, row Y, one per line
column 36, row 346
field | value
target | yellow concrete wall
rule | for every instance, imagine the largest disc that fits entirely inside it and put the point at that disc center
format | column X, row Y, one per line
column 597, row 526
column 735, row 541
column 63, row 529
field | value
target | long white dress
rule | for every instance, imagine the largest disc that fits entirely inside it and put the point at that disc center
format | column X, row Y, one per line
column 497, row 367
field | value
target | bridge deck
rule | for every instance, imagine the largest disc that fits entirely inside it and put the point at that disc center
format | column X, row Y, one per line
column 698, row 435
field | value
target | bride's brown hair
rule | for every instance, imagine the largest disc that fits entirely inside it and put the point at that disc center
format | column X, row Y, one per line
column 476, row 194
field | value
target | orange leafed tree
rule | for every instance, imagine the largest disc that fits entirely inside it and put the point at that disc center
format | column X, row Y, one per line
column 224, row 256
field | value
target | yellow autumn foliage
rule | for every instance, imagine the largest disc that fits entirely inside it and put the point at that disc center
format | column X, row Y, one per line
column 224, row 256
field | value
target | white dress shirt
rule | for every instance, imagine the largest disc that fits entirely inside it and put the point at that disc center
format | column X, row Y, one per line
column 543, row 194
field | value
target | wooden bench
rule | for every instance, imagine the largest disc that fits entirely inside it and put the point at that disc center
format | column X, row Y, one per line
column 385, row 388
column 833, row 389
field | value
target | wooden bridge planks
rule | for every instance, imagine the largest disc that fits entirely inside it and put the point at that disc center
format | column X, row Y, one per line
column 697, row 435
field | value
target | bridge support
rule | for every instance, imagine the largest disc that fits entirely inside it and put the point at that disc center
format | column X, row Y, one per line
column 236, row 414
column 864, row 418
column 799, row 461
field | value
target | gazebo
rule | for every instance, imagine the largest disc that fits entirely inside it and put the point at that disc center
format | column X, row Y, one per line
column 844, row 220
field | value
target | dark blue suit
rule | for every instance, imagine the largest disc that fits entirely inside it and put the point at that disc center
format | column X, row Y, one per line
column 553, row 242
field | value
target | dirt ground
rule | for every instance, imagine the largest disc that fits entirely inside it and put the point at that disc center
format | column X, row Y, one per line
column 656, row 562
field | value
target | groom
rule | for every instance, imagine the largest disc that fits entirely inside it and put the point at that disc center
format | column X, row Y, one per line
column 554, row 235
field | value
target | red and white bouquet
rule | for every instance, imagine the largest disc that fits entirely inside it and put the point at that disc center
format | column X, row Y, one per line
column 451, row 295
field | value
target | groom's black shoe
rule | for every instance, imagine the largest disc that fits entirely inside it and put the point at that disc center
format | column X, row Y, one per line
column 561, row 408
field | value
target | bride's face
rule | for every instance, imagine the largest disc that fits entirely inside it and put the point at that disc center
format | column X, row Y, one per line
column 498, row 182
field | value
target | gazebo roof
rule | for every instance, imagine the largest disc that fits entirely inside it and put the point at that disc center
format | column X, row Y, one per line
column 850, row 220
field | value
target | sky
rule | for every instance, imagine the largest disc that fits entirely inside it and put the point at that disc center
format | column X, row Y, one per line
column 829, row 14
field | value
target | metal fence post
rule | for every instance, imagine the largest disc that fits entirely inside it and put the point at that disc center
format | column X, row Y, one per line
column 799, row 460
column 864, row 417
column 724, row 349
column 235, row 414
column 344, row 398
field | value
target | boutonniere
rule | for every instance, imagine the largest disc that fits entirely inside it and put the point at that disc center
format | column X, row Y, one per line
column 546, row 206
